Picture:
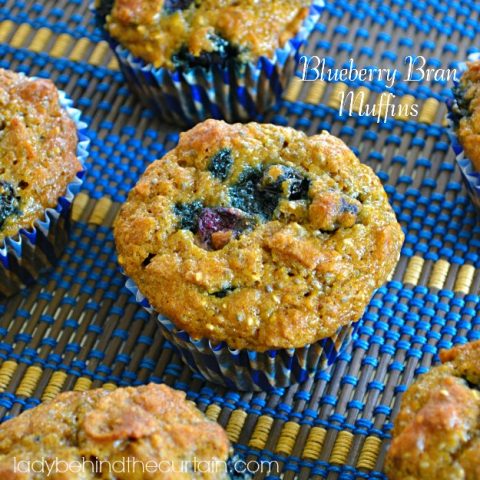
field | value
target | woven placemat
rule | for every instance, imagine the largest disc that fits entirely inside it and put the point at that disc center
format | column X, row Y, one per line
column 79, row 328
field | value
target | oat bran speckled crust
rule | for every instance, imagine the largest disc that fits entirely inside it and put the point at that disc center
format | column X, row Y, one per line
column 258, row 235
column 467, row 94
column 38, row 157
column 151, row 423
column 437, row 431
column 167, row 32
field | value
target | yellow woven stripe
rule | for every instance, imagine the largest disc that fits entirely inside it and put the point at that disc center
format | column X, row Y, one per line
column 82, row 384
column 80, row 50
column 429, row 111
column 439, row 274
column 6, row 28
column 113, row 64
column 414, row 270
column 40, row 41
column 102, row 207
column 260, row 434
column 6, row 373
column 403, row 112
column 79, row 204
column 21, row 35
column 314, row 443
column 464, row 279
column 109, row 386
column 287, row 438
column 213, row 411
column 369, row 454
column 293, row 90
column 29, row 381
column 61, row 45
column 98, row 55
column 341, row 447
column 316, row 91
column 337, row 95
column 54, row 386
column 235, row 424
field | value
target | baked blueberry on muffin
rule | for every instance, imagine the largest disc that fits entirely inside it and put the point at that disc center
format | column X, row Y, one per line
column 437, row 431
column 467, row 112
column 41, row 162
column 187, row 33
column 258, row 236
column 147, row 432
column 193, row 60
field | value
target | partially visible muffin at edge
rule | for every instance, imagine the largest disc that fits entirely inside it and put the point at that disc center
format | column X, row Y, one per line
column 437, row 431
column 162, row 434
column 176, row 33
column 38, row 150
column 258, row 235
column 467, row 112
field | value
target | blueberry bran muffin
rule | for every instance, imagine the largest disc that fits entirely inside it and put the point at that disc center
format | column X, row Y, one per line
column 38, row 150
column 186, row 33
column 437, row 431
column 467, row 112
column 258, row 235
column 151, row 423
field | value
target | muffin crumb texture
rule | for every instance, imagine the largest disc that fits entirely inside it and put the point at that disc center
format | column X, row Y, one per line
column 467, row 95
column 186, row 33
column 151, row 423
column 38, row 142
column 258, row 235
column 437, row 431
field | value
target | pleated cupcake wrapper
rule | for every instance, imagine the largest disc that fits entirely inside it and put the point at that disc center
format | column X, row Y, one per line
column 470, row 176
column 24, row 256
column 238, row 92
column 248, row 370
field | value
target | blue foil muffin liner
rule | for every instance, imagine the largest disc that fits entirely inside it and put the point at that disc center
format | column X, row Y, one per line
column 470, row 176
column 248, row 370
column 24, row 256
column 237, row 92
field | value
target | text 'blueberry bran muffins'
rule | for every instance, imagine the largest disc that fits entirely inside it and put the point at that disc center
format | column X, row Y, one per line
column 151, row 423
column 186, row 33
column 467, row 112
column 38, row 150
column 258, row 235
column 437, row 431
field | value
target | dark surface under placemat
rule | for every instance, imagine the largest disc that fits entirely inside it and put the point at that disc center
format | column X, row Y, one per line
column 79, row 328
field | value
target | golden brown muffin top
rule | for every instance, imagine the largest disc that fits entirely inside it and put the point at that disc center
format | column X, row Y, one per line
column 437, row 431
column 258, row 235
column 38, row 143
column 468, row 100
column 138, row 433
column 157, row 30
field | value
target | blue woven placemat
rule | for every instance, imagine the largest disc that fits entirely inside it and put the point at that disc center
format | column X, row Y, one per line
column 79, row 328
